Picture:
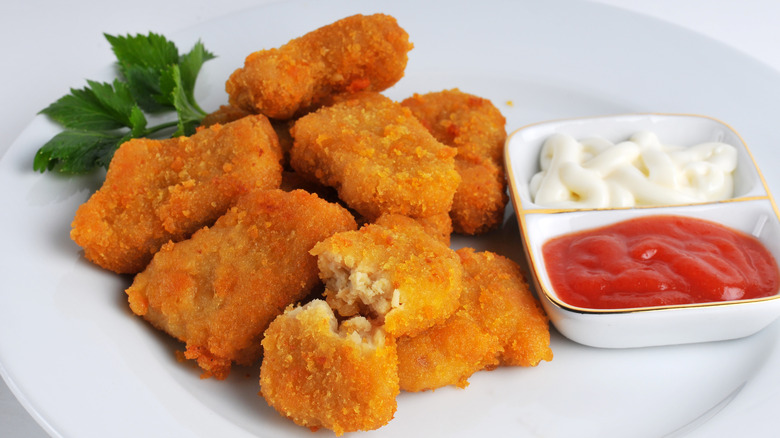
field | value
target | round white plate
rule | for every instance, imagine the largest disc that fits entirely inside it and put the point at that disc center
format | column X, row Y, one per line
column 84, row 366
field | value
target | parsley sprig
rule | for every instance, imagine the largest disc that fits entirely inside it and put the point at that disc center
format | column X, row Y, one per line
column 153, row 79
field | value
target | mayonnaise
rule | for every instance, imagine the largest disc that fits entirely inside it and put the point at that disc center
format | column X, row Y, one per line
column 596, row 173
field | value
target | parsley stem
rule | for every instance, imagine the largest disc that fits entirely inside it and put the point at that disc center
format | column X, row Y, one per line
column 157, row 128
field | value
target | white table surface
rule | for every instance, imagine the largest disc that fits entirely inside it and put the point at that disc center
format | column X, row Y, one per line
column 48, row 46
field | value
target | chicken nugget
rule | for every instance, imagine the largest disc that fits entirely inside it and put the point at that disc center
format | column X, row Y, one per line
column 499, row 322
column 320, row 374
column 479, row 203
column 476, row 128
column 439, row 226
column 352, row 54
column 219, row 290
column 161, row 190
column 446, row 354
column 378, row 156
column 398, row 276
column 497, row 294
column 224, row 114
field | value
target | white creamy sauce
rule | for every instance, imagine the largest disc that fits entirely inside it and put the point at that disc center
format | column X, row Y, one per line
column 596, row 173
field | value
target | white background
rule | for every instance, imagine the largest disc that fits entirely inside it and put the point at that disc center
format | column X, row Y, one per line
column 49, row 46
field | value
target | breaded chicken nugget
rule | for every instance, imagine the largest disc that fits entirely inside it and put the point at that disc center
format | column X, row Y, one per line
column 477, row 129
column 446, row 354
column 378, row 156
column 497, row 294
column 396, row 275
column 224, row 114
column 439, row 226
column 481, row 198
column 161, row 190
column 320, row 374
column 219, row 290
column 352, row 54
column 499, row 322
column 229, row 113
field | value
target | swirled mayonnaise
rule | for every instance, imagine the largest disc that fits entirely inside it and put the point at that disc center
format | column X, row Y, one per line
column 596, row 173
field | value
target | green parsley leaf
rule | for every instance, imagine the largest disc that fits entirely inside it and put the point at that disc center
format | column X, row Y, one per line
column 78, row 151
column 100, row 117
column 100, row 106
column 141, row 60
column 190, row 64
column 188, row 113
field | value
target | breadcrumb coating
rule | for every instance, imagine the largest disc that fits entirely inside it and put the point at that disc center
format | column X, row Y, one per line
column 161, row 190
column 438, row 226
column 352, row 54
column 499, row 322
column 398, row 276
column 322, row 374
column 446, row 354
column 219, row 290
column 498, row 295
column 224, row 114
column 378, row 156
column 476, row 128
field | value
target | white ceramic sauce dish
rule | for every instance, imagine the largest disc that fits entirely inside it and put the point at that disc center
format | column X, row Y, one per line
column 751, row 210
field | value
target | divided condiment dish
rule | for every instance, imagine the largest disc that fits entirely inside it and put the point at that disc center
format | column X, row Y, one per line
column 750, row 210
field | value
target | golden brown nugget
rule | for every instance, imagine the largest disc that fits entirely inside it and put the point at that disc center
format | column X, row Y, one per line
column 499, row 322
column 439, row 226
column 470, row 123
column 479, row 203
column 352, row 54
column 161, row 190
column 322, row 374
column 497, row 294
column 396, row 275
column 477, row 129
column 224, row 114
column 446, row 354
column 219, row 290
column 378, row 156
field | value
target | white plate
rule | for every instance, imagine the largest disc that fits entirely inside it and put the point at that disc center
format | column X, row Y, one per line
column 85, row 367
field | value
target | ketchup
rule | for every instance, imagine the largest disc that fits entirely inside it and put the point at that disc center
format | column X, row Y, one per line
column 659, row 261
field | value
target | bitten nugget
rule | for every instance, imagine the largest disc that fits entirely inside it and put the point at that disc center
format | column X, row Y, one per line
column 353, row 54
column 378, row 156
column 477, row 129
column 497, row 294
column 161, row 190
column 320, row 374
column 219, row 290
column 396, row 275
column 499, row 322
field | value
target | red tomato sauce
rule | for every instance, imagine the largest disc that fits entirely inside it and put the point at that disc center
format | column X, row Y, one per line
column 659, row 261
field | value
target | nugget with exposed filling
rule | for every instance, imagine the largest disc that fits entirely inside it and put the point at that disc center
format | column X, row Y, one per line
column 476, row 128
column 499, row 322
column 219, row 290
column 378, row 156
column 161, row 190
column 320, row 373
column 397, row 275
column 352, row 54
